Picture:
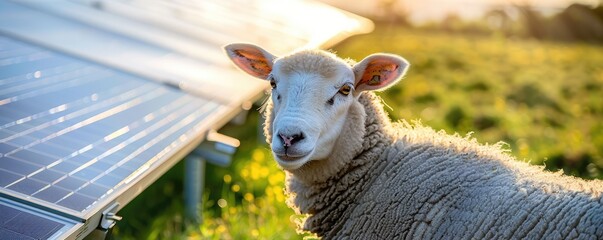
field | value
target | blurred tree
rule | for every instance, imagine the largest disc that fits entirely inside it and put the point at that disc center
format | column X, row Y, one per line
column 577, row 22
column 452, row 23
column 393, row 12
column 534, row 22
column 581, row 22
column 498, row 20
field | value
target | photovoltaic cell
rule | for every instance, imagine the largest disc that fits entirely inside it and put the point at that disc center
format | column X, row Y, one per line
column 18, row 166
column 27, row 186
column 52, row 194
column 7, row 177
column 8, row 214
column 71, row 131
column 47, row 175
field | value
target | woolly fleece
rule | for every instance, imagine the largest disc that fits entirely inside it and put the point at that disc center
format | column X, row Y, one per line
column 400, row 180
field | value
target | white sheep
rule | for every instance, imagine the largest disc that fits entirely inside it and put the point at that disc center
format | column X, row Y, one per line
column 357, row 175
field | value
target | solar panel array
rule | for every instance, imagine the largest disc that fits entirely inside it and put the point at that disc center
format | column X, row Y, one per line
column 72, row 132
column 85, row 123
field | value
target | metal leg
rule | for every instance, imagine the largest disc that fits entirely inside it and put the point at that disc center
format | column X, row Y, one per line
column 216, row 149
column 193, row 187
column 260, row 134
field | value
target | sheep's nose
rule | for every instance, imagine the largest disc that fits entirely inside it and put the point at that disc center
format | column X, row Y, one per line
column 289, row 140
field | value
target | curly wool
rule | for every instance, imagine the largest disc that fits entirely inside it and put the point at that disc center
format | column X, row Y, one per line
column 392, row 181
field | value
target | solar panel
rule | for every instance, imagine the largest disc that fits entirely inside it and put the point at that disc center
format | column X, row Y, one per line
column 284, row 25
column 212, row 17
column 21, row 222
column 16, row 224
column 72, row 133
column 126, row 53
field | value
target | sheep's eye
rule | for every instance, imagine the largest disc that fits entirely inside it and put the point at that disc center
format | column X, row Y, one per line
column 345, row 89
column 272, row 83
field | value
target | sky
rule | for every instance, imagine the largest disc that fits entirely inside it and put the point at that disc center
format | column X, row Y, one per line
column 426, row 10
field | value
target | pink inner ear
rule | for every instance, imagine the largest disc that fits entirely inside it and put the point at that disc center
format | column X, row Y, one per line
column 252, row 62
column 378, row 73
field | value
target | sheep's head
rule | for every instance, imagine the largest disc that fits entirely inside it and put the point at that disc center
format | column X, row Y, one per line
column 312, row 91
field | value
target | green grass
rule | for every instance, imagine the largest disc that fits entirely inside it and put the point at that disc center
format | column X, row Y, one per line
column 543, row 99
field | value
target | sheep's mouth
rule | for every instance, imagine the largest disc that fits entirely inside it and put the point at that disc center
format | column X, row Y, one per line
column 287, row 157
column 291, row 162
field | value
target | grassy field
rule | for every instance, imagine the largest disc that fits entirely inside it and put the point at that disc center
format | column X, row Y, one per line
column 542, row 98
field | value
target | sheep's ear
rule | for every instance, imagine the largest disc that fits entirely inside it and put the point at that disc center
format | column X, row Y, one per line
column 379, row 71
column 251, row 59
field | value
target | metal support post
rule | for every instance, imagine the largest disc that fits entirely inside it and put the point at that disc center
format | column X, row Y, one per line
column 216, row 149
column 193, row 187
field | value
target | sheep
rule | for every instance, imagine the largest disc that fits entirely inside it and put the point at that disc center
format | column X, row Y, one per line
column 357, row 175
